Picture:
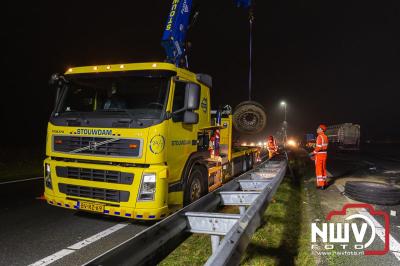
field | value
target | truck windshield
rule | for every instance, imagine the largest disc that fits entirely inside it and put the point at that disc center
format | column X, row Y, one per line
column 133, row 96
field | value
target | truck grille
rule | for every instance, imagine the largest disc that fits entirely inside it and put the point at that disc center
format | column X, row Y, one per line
column 94, row 193
column 97, row 146
column 95, row 175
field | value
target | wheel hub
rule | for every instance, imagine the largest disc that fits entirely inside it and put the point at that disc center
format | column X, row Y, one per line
column 195, row 190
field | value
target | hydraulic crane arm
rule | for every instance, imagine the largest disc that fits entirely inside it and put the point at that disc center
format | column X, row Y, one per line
column 243, row 3
column 178, row 22
column 174, row 37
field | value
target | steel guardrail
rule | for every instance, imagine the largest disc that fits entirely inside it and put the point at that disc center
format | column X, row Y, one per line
column 237, row 239
column 152, row 245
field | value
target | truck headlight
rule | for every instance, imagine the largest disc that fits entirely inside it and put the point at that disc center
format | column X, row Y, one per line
column 47, row 176
column 147, row 187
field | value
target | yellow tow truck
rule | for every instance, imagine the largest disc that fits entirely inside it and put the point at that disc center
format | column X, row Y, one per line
column 133, row 140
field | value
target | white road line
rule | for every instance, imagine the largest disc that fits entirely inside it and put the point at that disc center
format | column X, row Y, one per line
column 391, row 172
column 52, row 258
column 21, row 180
column 71, row 249
column 394, row 246
column 96, row 237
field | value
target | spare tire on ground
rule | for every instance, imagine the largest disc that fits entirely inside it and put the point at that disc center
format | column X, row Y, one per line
column 372, row 192
column 249, row 117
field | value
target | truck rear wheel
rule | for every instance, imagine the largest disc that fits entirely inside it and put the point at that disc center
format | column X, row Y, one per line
column 196, row 185
column 244, row 164
column 250, row 161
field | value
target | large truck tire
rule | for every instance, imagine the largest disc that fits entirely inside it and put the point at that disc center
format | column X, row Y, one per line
column 249, row 117
column 250, row 161
column 196, row 186
column 372, row 192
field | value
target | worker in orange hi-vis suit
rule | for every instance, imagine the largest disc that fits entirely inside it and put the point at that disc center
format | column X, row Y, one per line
column 272, row 147
column 320, row 155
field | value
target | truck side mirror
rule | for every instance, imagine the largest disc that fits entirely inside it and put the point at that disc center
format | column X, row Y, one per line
column 190, row 117
column 192, row 96
column 58, row 82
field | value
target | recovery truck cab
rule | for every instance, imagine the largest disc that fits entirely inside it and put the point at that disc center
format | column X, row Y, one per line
column 133, row 140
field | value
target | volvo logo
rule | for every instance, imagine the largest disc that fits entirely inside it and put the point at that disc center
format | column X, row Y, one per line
column 92, row 145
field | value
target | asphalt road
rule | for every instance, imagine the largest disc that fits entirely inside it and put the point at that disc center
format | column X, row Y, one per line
column 380, row 165
column 31, row 230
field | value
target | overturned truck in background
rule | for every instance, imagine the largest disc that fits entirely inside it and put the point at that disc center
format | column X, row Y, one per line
column 344, row 137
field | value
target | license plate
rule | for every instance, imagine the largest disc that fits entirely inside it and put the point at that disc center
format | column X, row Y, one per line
column 90, row 206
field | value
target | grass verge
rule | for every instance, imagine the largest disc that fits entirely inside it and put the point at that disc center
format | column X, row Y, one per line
column 20, row 163
column 282, row 239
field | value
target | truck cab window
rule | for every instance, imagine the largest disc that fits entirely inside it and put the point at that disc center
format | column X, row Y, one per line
column 179, row 101
column 117, row 96
column 80, row 99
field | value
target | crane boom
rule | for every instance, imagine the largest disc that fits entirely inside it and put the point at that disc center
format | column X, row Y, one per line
column 174, row 36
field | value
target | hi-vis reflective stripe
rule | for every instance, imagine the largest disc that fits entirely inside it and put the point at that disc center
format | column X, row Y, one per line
column 323, row 143
column 322, row 140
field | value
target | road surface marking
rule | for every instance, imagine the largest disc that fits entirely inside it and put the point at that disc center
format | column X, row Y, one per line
column 96, row 237
column 391, row 172
column 52, row 258
column 71, row 249
column 21, row 180
column 394, row 246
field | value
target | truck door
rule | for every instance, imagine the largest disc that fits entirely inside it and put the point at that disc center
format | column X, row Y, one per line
column 182, row 140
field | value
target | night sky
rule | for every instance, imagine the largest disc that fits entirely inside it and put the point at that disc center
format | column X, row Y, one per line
column 331, row 61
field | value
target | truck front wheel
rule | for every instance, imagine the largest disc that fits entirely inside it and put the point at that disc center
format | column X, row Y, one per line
column 195, row 187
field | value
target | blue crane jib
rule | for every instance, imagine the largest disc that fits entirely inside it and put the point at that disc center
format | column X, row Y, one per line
column 243, row 3
column 175, row 31
column 174, row 36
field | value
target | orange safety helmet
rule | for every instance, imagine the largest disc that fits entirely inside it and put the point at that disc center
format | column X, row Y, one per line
column 323, row 127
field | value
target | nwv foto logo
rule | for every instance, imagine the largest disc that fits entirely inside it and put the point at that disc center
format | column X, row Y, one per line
column 337, row 235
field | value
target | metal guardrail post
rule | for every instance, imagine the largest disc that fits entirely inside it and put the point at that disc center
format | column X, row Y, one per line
column 215, row 240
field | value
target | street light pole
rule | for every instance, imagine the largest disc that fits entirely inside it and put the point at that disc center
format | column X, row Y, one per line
column 284, row 106
column 285, row 111
column 284, row 124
